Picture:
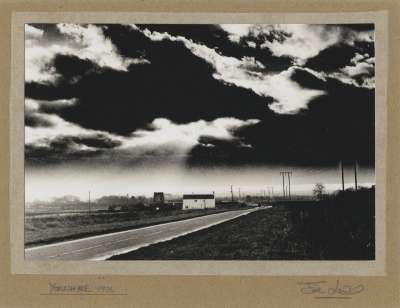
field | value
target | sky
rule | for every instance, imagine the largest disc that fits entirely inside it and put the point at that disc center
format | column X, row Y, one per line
column 119, row 109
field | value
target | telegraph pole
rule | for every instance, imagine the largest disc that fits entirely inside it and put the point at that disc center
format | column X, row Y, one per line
column 341, row 167
column 231, row 194
column 286, row 189
column 355, row 175
column 239, row 194
column 283, row 183
column 89, row 202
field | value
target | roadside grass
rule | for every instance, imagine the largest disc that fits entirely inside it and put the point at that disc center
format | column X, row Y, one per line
column 340, row 228
column 45, row 229
column 253, row 236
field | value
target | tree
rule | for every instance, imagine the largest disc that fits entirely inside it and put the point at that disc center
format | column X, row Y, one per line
column 319, row 191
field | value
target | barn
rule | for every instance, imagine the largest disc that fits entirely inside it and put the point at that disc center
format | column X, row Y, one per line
column 198, row 201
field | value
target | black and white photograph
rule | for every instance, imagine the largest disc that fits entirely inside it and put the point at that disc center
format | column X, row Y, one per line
column 199, row 141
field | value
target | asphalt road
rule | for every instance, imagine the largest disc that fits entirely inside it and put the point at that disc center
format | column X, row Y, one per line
column 102, row 247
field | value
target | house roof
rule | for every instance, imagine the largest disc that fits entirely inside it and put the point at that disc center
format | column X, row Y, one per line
column 198, row 196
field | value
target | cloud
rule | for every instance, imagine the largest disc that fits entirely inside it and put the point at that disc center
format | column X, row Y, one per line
column 163, row 131
column 364, row 82
column 299, row 41
column 199, row 101
column 353, row 64
column 65, row 140
column 37, row 120
column 216, row 38
column 316, row 136
column 360, row 72
column 168, row 142
column 32, row 33
column 59, row 128
column 94, row 46
column 36, row 111
column 303, row 41
column 361, row 66
column 288, row 96
column 237, row 31
column 332, row 58
column 126, row 101
column 86, row 42
column 37, row 59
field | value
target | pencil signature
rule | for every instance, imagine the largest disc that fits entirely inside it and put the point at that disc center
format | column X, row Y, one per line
column 321, row 289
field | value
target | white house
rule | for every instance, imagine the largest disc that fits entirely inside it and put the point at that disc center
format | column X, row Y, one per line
column 197, row 201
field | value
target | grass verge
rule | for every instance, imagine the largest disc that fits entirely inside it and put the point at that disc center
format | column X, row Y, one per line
column 341, row 228
column 56, row 228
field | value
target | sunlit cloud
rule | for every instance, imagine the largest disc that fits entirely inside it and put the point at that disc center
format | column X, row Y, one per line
column 247, row 73
column 162, row 134
column 299, row 41
column 87, row 42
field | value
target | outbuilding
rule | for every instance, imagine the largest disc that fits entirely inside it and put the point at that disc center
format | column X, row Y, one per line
column 198, row 201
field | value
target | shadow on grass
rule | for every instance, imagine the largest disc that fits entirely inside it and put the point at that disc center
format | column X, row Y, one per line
column 340, row 227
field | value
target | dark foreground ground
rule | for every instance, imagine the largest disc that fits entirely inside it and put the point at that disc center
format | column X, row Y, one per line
column 337, row 228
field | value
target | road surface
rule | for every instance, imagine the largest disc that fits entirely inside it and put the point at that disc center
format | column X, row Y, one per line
column 102, row 247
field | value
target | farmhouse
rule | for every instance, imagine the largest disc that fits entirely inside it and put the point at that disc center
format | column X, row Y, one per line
column 197, row 201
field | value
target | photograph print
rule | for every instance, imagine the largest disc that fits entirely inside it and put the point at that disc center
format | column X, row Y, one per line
column 199, row 142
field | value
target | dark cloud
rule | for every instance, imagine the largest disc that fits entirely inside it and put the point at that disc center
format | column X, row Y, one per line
column 359, row 27
column 58, row 151
column 69, row 148
column 333, row 58
column 217, row 152
column 216, row 38
column 366, row 47
column 71, row 67
column 180, row 86
column 307, row 80
column 339, row 55
column 98, row 141
column 47, row 91
column 336, row 126
column 176, row 85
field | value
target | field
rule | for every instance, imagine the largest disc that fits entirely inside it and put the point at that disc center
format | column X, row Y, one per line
column 337, row 228
column 48, row 228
